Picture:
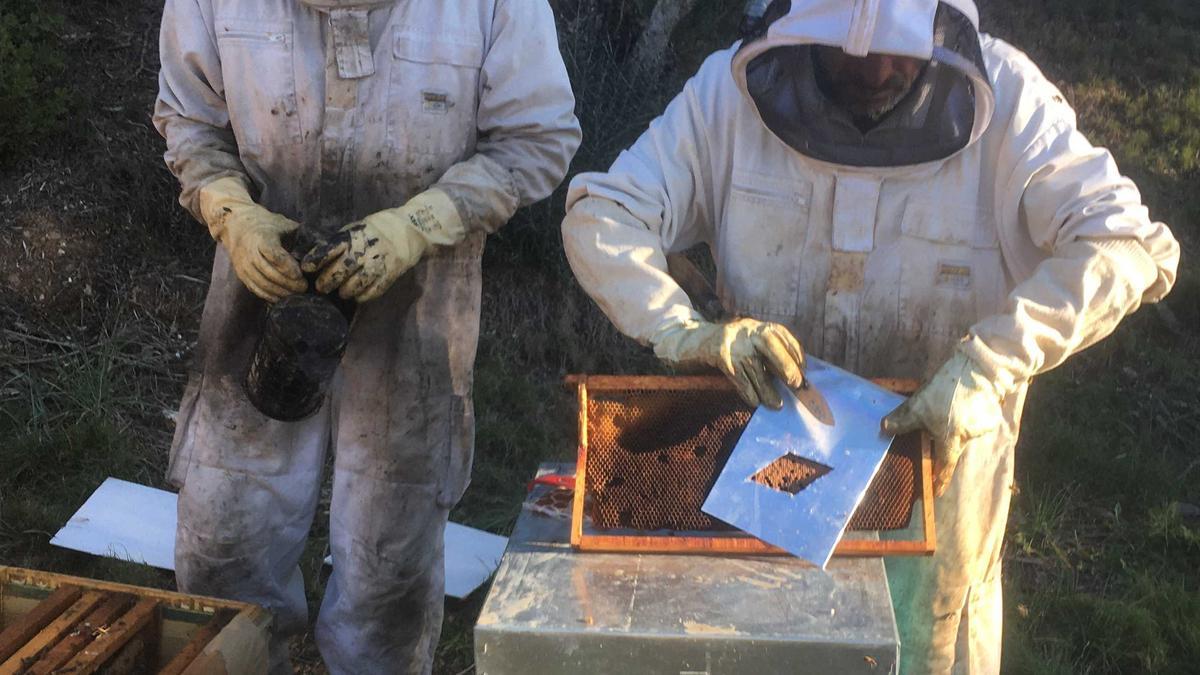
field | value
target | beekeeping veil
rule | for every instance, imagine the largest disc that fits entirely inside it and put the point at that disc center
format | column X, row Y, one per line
column 948, row 108
column 351, row 33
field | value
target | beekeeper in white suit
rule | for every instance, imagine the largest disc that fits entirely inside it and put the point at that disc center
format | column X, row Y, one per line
column 909, row 198
column 414, row 128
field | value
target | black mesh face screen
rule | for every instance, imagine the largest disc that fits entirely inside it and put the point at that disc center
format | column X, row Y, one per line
column 653, row 455
column 934, row 121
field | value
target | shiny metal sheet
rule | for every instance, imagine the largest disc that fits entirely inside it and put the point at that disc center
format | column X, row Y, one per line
column 553, row 611
column 808, row 523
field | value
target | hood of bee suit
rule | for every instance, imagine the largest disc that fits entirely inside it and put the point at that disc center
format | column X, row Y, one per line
column 948, row 107
column 351, row 33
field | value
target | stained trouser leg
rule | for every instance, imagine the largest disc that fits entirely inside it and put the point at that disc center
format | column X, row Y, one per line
column 246, row 508
column 927, row 615
column 403, row 441
column 382, row 611
column 984, row 621
column 933, row 596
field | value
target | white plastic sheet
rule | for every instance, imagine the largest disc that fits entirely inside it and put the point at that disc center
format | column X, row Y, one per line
column 136, row 523
column 125, row 521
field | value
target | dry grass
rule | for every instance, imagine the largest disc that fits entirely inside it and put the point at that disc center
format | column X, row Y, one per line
column 1100, row 564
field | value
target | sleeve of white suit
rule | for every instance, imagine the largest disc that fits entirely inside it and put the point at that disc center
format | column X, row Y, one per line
column 657, row 198
column 190, row 111
column 528, row 132
column 1102, row 255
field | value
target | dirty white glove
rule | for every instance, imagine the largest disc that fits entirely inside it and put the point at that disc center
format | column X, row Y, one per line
column 253, row 237
column 957, row 404
column 367, row 256
column 748, row 351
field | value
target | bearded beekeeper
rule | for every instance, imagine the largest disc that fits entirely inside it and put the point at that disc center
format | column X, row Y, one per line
column 414, row 129
column 908, row 198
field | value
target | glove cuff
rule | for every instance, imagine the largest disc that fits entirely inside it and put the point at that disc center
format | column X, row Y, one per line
column 218, row 200
column 672, row 340
column 990, row 366
column 433, row 215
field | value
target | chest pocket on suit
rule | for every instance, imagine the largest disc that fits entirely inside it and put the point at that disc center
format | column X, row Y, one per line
column 260, row 81
column 951, row 273
column 763, row 235
column 433, row 96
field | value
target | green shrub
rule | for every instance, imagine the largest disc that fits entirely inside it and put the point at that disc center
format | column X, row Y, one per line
column 32, row 105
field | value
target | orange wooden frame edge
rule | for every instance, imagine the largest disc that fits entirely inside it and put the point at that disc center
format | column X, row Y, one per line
column 736, row 543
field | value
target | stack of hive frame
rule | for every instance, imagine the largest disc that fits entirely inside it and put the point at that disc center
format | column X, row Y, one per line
column 55, row 624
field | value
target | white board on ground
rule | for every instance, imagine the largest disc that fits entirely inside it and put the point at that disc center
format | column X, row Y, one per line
column 125, row 521
column 136, row 523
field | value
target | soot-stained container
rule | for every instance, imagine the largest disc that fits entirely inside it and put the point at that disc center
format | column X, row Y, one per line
column 303, row 339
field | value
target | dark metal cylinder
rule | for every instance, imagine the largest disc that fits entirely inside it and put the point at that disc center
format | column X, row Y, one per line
column 303, row 339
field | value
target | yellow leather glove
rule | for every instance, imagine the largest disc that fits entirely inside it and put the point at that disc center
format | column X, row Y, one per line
column 367, row 256
column 748, row 351
column 253, row 238
column 957, row 404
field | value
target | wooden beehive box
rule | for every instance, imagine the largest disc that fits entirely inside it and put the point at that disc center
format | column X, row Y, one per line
column 51, row 623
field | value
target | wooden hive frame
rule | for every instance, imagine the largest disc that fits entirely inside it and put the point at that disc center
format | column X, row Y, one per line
column 52, row 623
column 727, row 542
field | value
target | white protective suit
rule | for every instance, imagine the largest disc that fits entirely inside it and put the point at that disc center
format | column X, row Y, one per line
column 1011, row 239
column 334, row 110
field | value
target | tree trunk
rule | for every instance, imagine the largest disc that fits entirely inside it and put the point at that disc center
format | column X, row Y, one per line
column 650, row 53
